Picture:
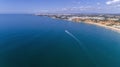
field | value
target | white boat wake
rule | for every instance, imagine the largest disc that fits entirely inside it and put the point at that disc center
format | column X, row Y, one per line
column 75, row 38
column 70, row 34
column 80, row 45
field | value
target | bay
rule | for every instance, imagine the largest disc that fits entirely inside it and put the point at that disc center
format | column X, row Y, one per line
column 37, row 41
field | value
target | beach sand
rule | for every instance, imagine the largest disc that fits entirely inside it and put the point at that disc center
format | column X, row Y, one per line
column 107, row 27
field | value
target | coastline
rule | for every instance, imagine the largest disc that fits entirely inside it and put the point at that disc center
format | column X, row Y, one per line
column 107, row 27
column 97, row 24
column 78, row 20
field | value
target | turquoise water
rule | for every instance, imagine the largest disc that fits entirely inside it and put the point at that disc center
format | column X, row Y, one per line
column 35, row 41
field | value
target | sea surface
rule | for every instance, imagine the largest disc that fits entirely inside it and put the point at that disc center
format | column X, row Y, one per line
column 37, row 41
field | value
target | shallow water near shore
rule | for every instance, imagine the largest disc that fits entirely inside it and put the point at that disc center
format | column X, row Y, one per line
column 36, row 41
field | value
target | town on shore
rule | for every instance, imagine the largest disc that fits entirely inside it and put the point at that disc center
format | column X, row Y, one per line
column 111, row 21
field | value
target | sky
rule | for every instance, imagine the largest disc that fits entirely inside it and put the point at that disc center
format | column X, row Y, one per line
column 59, row 6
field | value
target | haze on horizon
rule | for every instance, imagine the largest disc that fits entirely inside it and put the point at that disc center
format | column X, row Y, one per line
column 60, row 6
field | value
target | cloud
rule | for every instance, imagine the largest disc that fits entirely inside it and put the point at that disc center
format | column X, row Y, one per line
column 113, row 2
column 82, row 8
column 98, row 3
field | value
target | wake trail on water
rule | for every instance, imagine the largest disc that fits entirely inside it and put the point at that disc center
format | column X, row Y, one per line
column 81, row 45
column 78, row 41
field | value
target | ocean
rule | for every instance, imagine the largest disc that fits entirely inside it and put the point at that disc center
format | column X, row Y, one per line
column 38, row 41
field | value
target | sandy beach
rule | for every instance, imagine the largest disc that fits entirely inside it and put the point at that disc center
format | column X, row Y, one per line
column 107, row 27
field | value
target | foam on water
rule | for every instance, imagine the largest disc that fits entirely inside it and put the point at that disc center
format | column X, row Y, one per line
column 81, row 46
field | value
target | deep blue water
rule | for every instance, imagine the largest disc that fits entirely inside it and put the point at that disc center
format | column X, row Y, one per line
column 35, row 41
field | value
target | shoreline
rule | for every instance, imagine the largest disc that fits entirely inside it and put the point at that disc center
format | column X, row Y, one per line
column 97, row 24
column 101, row 25
column 78, row 20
